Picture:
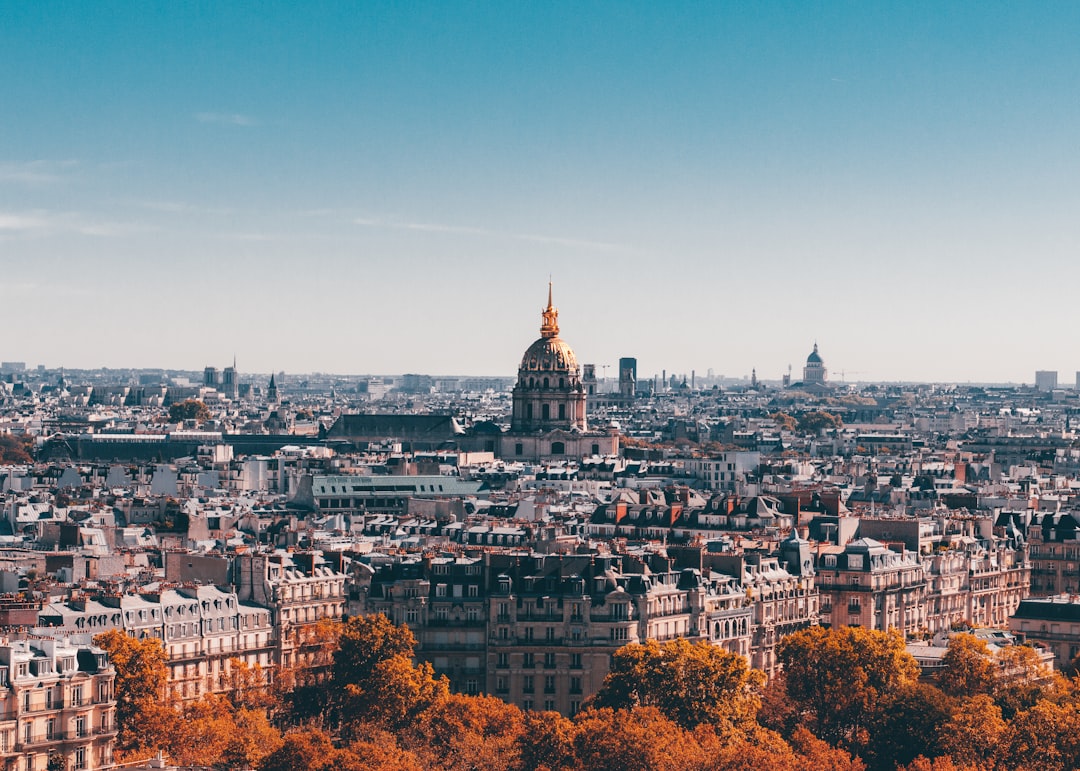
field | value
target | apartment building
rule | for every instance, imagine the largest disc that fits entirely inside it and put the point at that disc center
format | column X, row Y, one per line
column 56, row 696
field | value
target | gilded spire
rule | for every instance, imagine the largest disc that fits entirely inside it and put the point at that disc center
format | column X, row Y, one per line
column 550, row 316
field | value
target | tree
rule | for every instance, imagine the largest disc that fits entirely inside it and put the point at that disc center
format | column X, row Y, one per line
column 969, row 667
column 251, row 740
column 813, row 422
column 310, row 749
column 784, row 421
column 689, row 683
column 57, row 761
column 364, row 642
column 905, row 724
column 395, row 694
column 973, row 732
column 374, row 677
column 144, row 718
column 189, row 409
column 1046, row 737
column 835, row 677
column 639, row 739
column 14, row 450
column 1023, row 679
column 546, row 743
column 475, row 732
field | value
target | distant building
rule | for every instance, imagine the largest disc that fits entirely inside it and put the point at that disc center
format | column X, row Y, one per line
column 815, row 371
column 627, row 378
column 548, row 417
column 1046, row 380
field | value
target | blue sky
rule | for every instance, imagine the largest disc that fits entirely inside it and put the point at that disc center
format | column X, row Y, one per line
column 386, row 187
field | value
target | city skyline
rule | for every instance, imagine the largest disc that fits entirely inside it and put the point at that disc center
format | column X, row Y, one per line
column 387, row 188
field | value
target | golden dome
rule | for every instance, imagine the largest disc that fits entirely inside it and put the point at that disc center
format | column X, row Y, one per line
column 549, row 354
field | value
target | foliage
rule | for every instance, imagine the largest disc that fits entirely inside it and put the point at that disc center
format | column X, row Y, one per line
column 1023, row 680
column 835, row 678
column 15, row 450
column 459, row 731
column 144, row 718
column 969, row 667
column 374, row 678
column 973, row 732
column 905, row 725
column 638, row 739
column 784, row 421
column 546, row 742
column 813, row 422
column 364, row 642
column 313, row 750
column 689, row 683
column 1046, row 737
column 189, row 409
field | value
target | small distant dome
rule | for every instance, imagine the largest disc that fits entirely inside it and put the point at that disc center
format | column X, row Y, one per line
column 814, row 357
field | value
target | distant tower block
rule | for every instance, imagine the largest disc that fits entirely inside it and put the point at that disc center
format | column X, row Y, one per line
column 588, row 378
column 627, row 377
column 1046, row 380
column 210, row 377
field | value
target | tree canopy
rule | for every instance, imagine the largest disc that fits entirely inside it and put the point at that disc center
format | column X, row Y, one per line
column 189, row 409
column 689, row 683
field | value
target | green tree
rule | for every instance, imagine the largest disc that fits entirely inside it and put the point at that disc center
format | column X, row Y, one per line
column 836, row 677
column 689, row 683
column 189, row 409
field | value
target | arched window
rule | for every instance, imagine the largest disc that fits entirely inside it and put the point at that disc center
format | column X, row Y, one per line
column 528, row 411
column 558, row 448
column 545, row 382
column 545, row 412
column 562, row 382
column 562, row 412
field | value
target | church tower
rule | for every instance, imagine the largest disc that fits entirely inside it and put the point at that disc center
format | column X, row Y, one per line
column 549, row 394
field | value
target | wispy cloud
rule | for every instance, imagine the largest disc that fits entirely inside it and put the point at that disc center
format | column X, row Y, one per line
column 44, row 223
column 180, row 207
column 225, row 118
column 36, row 173
column 464, row 230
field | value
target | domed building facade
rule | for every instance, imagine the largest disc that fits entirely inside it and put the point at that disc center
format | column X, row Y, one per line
column 549, row 393
column 814, row 371
column 548, row 418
